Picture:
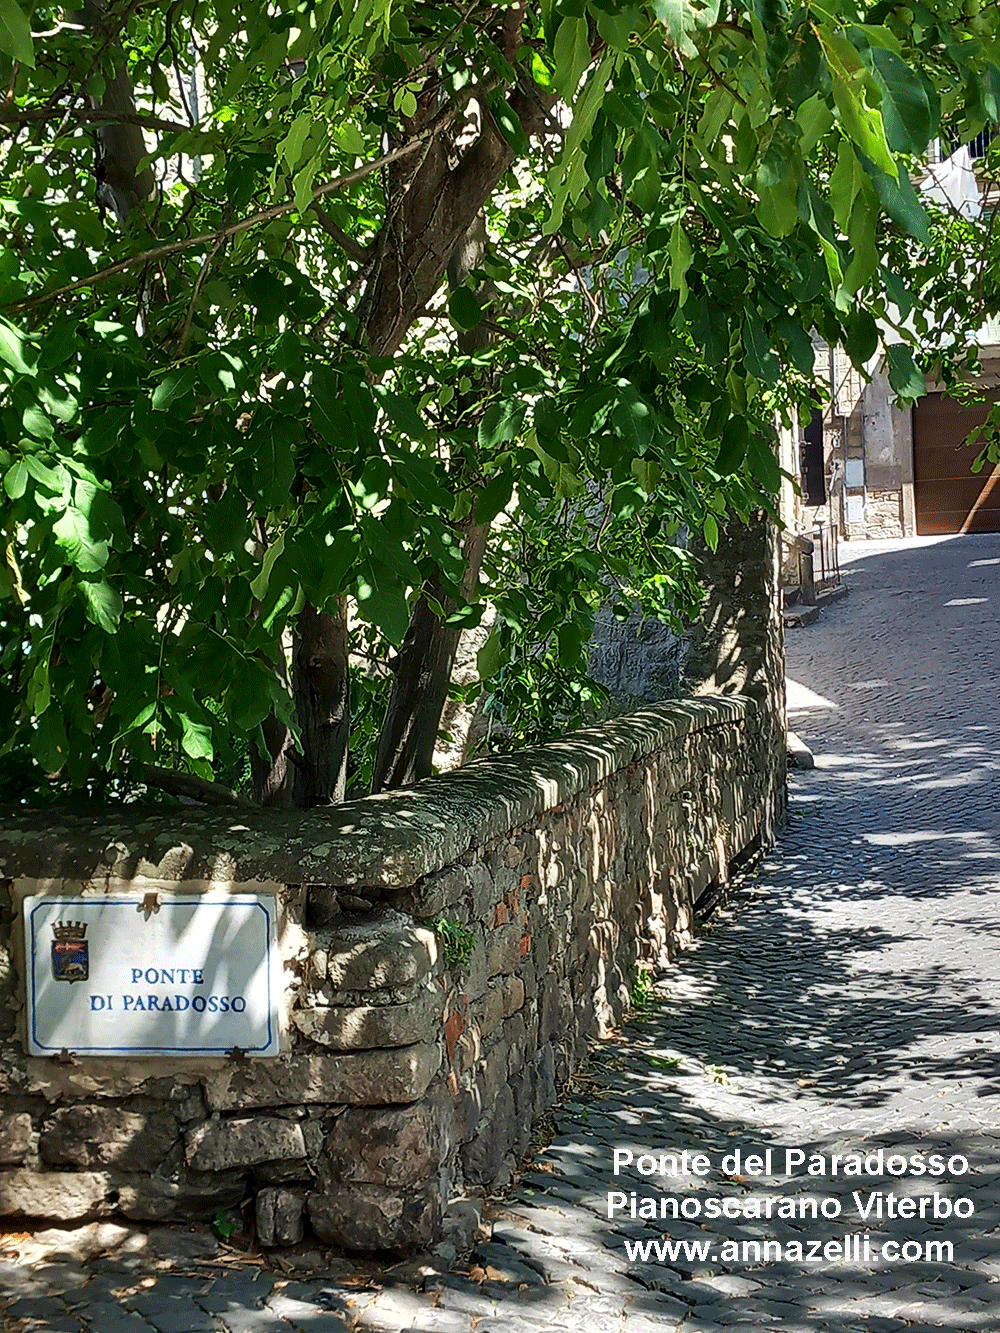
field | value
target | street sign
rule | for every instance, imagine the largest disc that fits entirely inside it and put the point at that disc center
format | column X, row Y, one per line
column 193, row 975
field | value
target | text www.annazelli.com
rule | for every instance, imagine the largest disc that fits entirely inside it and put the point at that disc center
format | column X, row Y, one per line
column 852, row 1248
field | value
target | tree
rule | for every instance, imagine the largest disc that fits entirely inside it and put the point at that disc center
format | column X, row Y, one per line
column 251, row 433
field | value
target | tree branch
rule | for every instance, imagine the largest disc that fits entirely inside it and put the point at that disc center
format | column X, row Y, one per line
column 186, row 784
column 33, row 115
column 245, row 224
column 361, row 253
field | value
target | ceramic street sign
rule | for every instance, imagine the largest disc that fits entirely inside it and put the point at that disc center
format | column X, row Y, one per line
column 188, row 975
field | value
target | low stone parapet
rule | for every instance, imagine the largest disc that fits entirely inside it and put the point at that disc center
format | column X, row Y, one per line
column 445, row 953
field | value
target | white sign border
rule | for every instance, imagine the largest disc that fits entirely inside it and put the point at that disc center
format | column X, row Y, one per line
column 273, row 1047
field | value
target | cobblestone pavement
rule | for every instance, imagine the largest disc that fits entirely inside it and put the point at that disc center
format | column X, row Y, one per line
column 846, row 1002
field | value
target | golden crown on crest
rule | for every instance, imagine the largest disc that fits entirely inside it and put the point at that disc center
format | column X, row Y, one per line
column 70, row 930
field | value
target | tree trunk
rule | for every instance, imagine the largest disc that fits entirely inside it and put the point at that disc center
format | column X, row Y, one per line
column 272, row 773
column 422, row 676
column 121, row 187
column 427, row 658
column 321, row 680
column 738, row 646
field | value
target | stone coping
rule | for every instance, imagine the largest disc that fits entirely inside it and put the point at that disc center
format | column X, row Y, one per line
column 390, row 840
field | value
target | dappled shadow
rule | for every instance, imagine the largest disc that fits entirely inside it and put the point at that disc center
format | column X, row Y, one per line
column 848, row 1000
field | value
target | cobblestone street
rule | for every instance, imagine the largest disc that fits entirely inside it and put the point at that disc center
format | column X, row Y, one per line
column 846, row 1001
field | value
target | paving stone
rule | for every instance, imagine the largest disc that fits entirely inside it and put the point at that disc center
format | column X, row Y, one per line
column 45, row 1307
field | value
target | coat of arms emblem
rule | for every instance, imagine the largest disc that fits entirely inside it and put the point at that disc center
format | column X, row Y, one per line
column 70, row 955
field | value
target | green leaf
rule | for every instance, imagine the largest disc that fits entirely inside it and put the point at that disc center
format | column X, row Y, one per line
column 249, row 697
column 488, row 659
column 632, row 419
column 463, row 309
column 266, row 468
column 845, row 183
column 174, row 384
column 710, row 527
column 16, row 480
column 681, row 21
column 494, row 497
column 501, row 423
column 899, row 199
column 862, row 338
column 734, row 446
column 12, row 344
column 763, row 464
column 402, row 413
column 259, row 584
column 904, row 375
column 850, row 80
column 196, row 739
column 15, row 33
column 382, row 603
column 73, row 535
column 104, row 604
column 329, row 412
column 681, row 258
column 49, row 743
column 292, row 144
column 757, row 355
column 571, row 54
column 906, row 108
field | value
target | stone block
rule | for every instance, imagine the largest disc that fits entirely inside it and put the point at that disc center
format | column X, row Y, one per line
column 491, row 1012
column 15, row 1138
column 436, row 893
column 543, row 1067
column 323, row 905
column 357, row 1078
column 388, row 952
column 512, row 995
column 482, row 890
column 280, row 1216
column 503, row 950
column 391, row 1145
column 191, row 1197
column 102, row 1136
column 219, row 1144
column 552, row 1009
column 375, row 1217
column 371, row 1027
column 63, row 1196
column 483, row 1156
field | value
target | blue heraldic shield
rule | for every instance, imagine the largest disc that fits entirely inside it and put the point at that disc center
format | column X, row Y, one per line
column 70, row 951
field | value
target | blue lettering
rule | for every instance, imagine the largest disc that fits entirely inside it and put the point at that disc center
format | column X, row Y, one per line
column 128, row 1001
column 166, row 1004
column 224, row 1003
column 238, row 1004
column 213, row 1004
column 198, row 1004
column 136, row 975
column 198, row 976
column 96, row 1003
column 152, row 1002
column 181, row 1002
column 167, row 975
column 139, row 1004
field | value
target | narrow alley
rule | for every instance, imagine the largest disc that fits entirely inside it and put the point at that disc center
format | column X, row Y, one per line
column 843, row 1009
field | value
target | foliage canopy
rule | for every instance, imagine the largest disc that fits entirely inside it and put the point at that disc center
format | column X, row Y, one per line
column 326, row 323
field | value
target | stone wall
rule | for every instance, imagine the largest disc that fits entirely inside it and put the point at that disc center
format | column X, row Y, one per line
column 416, row 1056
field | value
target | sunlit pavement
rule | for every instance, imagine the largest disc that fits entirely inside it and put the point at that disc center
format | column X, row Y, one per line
column 846, row 1002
